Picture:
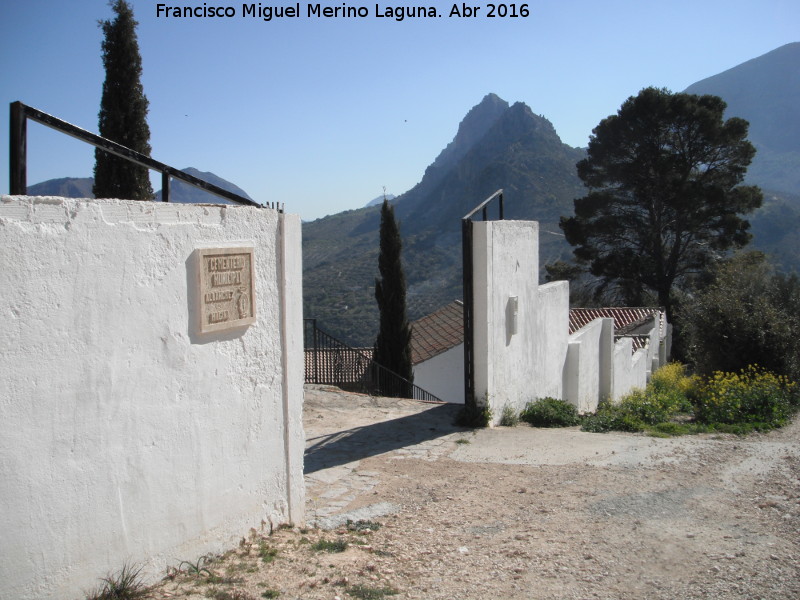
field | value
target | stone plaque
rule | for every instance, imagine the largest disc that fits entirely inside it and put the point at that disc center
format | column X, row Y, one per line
column 227, row 288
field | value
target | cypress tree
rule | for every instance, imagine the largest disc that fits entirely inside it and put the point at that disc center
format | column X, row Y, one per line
column 123, row 111
column 393, row 346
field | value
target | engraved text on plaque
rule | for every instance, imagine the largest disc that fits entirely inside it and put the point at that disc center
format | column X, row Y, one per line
column 227, row 288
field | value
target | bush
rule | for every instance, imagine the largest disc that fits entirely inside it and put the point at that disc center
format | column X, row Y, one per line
column 611, row 417
column 676, row 390
column 753, row 396
column 509, row 417
column 549, row 412
column 748, row 315
column 669, row 392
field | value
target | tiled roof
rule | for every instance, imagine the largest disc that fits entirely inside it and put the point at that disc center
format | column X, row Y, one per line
column 444, row 329
column 437, row 332
column 625, row 318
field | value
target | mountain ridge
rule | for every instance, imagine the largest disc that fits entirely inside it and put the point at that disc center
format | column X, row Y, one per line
column 180, row 192
column 765, row 91
column 496, row 145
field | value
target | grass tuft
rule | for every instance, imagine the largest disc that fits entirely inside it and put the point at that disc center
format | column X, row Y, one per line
column 330, row 546
column 363, row 525
column 363, row 592
column 125, row 585
column 509, row 417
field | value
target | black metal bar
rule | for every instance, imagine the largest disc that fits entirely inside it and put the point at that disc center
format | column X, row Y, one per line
column 128, row 154
column 18, row 143
column 501, row 205
column 164, row 187
column 470, row 214
column 469, row 340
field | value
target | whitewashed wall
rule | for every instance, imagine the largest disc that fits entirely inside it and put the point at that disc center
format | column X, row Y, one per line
column 443, row 375
column 537, row 357
column 126, row 435
column 587, row 370
column 551, row 335
column 629, row 368
column 506, row 266
column 653, row 351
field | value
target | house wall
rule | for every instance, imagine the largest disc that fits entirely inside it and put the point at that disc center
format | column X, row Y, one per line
column 443, row 375
column 587, row 370
column 551, row 338
column 506, row 266
column 128, row 436
column 629, row 370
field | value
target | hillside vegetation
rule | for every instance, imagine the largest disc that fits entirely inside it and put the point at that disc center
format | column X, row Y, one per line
column 496, row 146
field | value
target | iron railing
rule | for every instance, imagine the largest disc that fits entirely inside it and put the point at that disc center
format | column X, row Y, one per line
column 18, row 169
column 469, row 300
column 332, row 362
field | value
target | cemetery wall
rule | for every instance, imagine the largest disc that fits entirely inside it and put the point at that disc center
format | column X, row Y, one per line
column 131, row 433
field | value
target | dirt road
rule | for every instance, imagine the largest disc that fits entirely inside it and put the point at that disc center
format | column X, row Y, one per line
column 524, row 513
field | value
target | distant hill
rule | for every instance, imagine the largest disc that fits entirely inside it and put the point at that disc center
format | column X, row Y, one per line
column 766, row 92
column 75, row 187
column 65, row 187
column 379, row 200
column 496, row 146
column 189, row 194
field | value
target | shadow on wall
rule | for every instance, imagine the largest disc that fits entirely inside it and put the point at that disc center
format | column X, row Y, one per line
column 346, row 446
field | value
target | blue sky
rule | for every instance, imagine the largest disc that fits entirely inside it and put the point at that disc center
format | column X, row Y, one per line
column 322, row 114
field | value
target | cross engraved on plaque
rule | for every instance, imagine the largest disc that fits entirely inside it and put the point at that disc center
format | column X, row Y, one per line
column 226, row 282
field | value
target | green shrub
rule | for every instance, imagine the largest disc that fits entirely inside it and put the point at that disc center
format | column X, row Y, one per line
column 364, row 592
column 330, row 546
column 669, row 392
column 549, row 412
column 755, row 314
column 675, row 389
column 267, row 552
column 611, row 417
column 509, row 417
column 752, row 396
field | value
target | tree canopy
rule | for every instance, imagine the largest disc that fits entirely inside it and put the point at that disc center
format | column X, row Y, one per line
column 664, row 198
column 393, row 345
column 748, row 315
column 123, row 111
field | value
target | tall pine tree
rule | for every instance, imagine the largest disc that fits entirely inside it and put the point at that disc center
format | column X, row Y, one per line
column 393, row 346
column 123, row 111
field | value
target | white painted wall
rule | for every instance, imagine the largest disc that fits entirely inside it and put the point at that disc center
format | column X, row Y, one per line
column 443, row 375
column 506, row 265
column 530, row 356
column 629, row 368
column 653, row 351
column 588, row 352
column 551, row 339
column 126, row 435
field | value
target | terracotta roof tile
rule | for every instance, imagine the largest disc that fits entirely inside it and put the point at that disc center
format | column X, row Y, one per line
column 444, row 329
column 625, row 318
column 437, row 332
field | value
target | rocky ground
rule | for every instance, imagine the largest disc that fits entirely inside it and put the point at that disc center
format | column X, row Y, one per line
column 438, row 512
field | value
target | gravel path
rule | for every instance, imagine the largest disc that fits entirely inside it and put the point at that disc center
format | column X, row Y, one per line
column 522, row 513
